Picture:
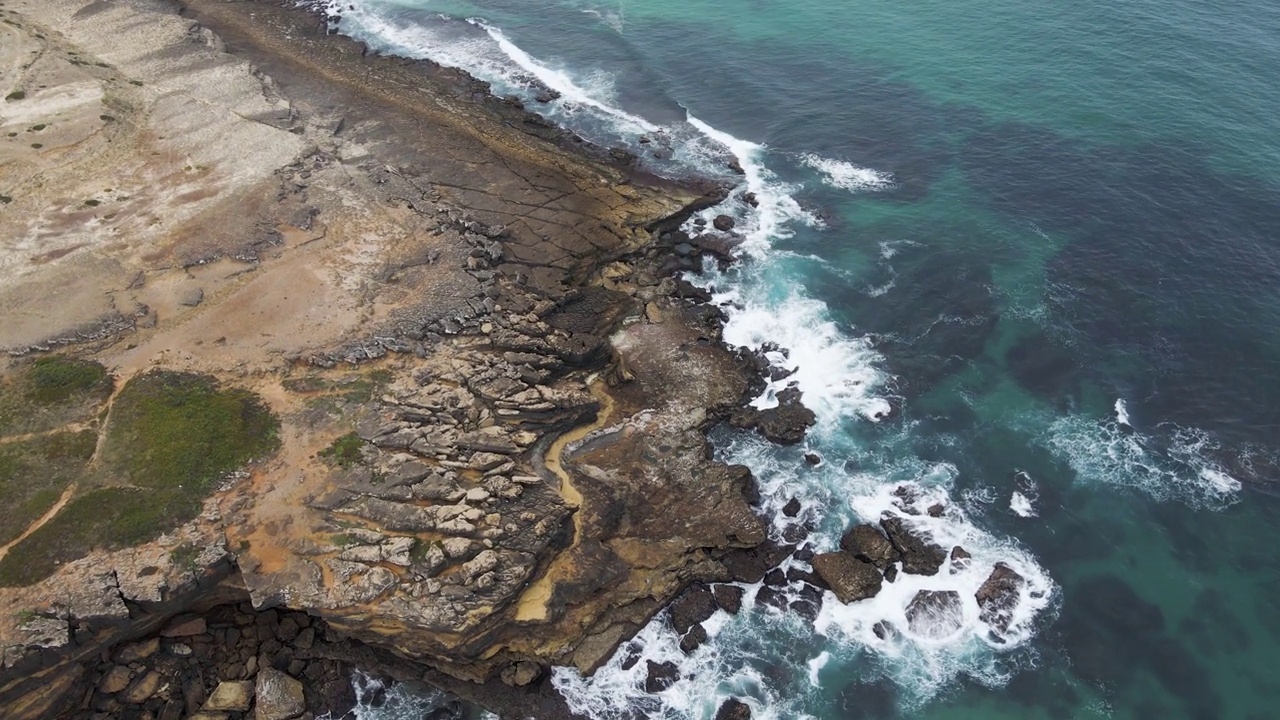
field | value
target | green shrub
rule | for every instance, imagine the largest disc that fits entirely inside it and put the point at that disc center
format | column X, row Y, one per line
column 56, row 378
column 178, row 430
column 345, row 451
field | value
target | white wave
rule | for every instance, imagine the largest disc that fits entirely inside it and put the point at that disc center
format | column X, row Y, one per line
column 615, row 19
column 377, row 699
column 560, row 80
column 1175, row 468
column 1122, row 412
column 709, row 675
column 816, row 665
column 1021, row 505
column 836, row 373
column 847, row 176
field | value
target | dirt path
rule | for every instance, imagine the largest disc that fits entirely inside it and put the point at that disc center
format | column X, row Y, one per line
column 68, row 428
column 40, row 522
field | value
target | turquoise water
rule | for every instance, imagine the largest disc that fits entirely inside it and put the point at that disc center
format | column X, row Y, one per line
column 996, row 238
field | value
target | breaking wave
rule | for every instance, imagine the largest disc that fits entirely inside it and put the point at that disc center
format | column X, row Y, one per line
column 1175, row 465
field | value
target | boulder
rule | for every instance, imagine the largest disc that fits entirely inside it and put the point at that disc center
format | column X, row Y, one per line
column 693, row 639
column 792, row 508
column 723, row 223
column 133, row 652
column 998, row 596
column 278, row 696
column 733, row 709
column 692, row 607
column 868, row 544
column 230, row 696
column 935, row 614
column 918, row 557
column 848, row 577
column 661, row 676
column 143, row 688
column 718, row 244
column 728, row 597
column 115, row 680
column 784, row 424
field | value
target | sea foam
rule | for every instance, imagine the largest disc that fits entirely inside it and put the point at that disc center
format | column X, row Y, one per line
column 847, row 176
column 1175, row 465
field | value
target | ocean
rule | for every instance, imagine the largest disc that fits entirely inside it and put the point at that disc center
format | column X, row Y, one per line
column 1024, row 258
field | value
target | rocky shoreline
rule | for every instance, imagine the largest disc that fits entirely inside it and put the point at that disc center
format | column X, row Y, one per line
column 526, row 480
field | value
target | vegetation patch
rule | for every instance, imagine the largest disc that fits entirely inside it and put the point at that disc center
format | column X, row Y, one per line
column 57, row 378
column 35, row 472
column 50, row 392
column 345, row 451
column 171, row 437
column 178, row 430
column 107, row 518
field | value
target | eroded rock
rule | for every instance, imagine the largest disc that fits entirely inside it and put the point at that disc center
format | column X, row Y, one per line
column 848, row 577
column 998, row 596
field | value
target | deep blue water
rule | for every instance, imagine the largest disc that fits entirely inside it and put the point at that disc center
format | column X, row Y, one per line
column 1044, row 239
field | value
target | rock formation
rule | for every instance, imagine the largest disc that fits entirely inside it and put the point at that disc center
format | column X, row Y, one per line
column 493, row 396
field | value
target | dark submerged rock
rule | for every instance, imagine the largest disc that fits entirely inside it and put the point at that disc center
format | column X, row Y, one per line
column 733, row 709
column 935, row 613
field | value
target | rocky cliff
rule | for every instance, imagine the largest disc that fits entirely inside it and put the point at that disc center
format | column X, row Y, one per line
column 492, row 393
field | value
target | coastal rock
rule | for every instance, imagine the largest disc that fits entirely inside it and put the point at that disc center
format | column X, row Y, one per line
column 998, row 596
column 133, row 652
column 143, row 688
column 918, row 557
column 695, row 605
column 660, row 676
column 230, row 696
column 728, row 597
column 733, row 709
column 935, row 614
column 849, row 578
column 278, row 696
column 116, row 679
column 521, row 673
column 723, row 223
column 868, row 544
column 792, row 508
column 693, row 639
column 784, row 424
